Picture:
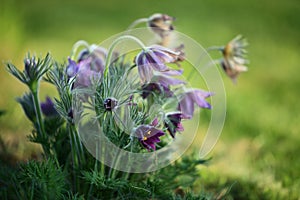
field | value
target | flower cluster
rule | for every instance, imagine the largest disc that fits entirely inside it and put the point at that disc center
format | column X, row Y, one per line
column 158, row 82
column 141, row 103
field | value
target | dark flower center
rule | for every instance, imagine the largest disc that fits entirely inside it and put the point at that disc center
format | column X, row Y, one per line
column 110, row 103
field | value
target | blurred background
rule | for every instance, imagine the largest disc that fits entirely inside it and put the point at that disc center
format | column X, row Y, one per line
column 258, row 151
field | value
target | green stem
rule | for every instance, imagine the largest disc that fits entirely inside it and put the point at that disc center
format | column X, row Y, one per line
column 114, row 44
column 40, row 123
column 75, row 157
column 136, row 22
column 113, row 171
column 76, row 47
column 94, row 172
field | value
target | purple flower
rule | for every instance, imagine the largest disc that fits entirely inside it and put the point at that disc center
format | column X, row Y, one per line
column 148, row 135
column 167, row 80
column 83, row 72
column 97, row 56
column 154, row 58
column 90, row 66
column 152, row 88
column 48, row 108
column 186, row 104
column 72, row 68
column 173, row 123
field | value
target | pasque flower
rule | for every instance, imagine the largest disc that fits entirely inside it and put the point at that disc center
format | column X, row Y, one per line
column 148, row 135
column 155, row 88
column 173, row 123
column 166, row 80
column 34, row 69
column 154, row 58
column 83, row 71
column 191, row 97
column 48, row 108
column 233, row 62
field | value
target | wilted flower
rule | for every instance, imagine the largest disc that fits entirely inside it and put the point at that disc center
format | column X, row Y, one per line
column 234, row 60
column 154, row 58
column 186, row 104
column 161, row 24
column 48, row 108
column 173, row 123
column 148, row 135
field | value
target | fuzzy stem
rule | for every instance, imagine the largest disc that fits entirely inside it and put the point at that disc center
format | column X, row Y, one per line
column 76, row 46
column 74, row 158
column 204, row 68
column 136, row 22
column 40, row 124
column 114, row 44
column 94, row 172
column 213, row 48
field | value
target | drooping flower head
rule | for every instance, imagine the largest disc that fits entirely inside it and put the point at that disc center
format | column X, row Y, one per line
column 155, row 88
column 90, row 65
column 154, row 58
column 191, row 97
column 173, row 123
column 234, row 61
column 166, row 79
column 97, row 55
column 148, row 135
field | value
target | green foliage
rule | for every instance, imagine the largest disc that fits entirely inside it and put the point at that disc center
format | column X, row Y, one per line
column 40, row 180
column 27, row 104
column 172, row 182
column 33, row 71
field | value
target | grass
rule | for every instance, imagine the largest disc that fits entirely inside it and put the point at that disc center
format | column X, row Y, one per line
column 259, row 147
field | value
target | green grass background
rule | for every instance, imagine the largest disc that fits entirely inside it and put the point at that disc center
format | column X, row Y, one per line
column 259, row 149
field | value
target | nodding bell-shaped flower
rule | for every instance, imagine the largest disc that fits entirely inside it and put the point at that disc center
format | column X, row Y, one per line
column 234, row 61
column 90, row 65
column 191, row 97
column 97, row 55
column 173, row 123
column 149, row 135
column 154, row 58
column 161, row 24
column 155, row 88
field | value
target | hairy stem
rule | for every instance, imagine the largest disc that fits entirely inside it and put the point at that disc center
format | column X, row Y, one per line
column 114, row 44
column 40, row 123
column 136, row 22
